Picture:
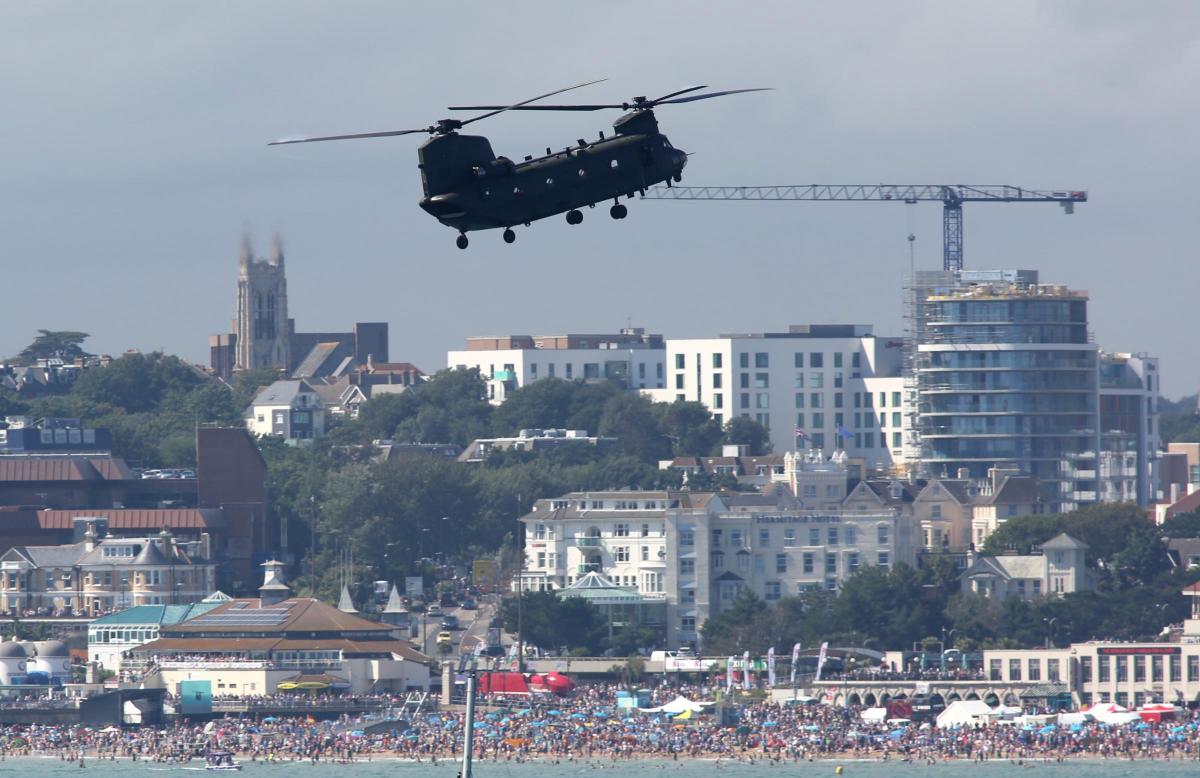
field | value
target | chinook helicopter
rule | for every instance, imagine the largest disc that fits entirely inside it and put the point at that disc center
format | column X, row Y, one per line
column 467, row 187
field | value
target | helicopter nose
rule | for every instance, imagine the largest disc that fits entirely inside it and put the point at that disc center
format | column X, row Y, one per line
column 681, row 158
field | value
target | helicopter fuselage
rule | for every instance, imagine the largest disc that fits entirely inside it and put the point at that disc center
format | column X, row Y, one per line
column 468, row 188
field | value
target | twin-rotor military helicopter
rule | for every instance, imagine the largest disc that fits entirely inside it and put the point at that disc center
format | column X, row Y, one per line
column 467, row 187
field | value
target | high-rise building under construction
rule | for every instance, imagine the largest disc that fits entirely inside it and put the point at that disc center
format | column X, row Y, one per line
column 1005, row 375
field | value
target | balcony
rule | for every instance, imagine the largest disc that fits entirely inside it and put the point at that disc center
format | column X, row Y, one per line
column 588, row 542
column 590, row 568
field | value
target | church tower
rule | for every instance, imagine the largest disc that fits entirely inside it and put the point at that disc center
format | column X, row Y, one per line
column 261, row 327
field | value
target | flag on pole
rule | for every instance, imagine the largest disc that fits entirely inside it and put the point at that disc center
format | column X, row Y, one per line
column 795, row 661
column 842, row 432
column 801, row 434
column 729, row 675
column 821, row 659
column 771, row 667
column 746, row 670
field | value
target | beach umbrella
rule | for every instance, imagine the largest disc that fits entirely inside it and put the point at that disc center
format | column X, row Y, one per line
column 896, row 734
column 579, row 715
column 270, row 719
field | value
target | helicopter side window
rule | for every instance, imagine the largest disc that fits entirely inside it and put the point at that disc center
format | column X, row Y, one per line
column 582, row 172
column 550, row 181
column 615, row 164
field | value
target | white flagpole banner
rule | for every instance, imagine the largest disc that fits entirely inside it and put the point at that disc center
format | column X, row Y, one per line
column 795, row 661
column 729, row 675
column 821, row 659
column 771, row 666
column 746, row 670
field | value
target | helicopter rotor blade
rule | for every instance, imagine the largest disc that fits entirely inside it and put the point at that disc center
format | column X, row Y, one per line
column 534, row 107
column 680, row 92
column 516, row 106
column 386, row 134
column 713, row 94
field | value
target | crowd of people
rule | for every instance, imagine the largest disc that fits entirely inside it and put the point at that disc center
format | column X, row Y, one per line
column 591, row 723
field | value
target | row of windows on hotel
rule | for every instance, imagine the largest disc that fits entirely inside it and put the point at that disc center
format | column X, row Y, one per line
column 808, row 565
column 833, row 535
column 14, row 581
column 762, row 359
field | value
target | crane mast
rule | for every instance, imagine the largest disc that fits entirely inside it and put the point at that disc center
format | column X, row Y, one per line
column 951, row 196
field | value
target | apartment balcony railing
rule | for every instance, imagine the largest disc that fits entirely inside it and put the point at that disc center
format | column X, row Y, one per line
column 588, row 542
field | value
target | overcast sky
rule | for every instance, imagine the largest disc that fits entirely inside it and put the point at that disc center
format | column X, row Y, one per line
column 133, row 155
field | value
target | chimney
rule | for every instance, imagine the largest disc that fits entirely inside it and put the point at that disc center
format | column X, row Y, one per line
column 964, row 473
column 89, row 537
column 274, row 590
column 205, row 546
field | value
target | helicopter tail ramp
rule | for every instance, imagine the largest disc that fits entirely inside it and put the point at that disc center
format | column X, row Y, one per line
column 952, row 197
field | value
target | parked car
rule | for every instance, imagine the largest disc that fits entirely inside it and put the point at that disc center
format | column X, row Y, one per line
column 444, row 638
column 469, row 604
column 434, row 609
column 450, row 621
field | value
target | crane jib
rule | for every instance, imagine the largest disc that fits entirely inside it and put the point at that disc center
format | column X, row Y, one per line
column 952, row 196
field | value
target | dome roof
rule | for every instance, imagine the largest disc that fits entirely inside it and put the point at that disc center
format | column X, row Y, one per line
column 10, row 649
column 51, row 648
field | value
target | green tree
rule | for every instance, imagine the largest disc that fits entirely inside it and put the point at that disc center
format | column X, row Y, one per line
column 744, row 431
column 49, row 344
column 630, row 418
column 691, row 428
column 248, row 383
column 553, row 403
column 551, row 622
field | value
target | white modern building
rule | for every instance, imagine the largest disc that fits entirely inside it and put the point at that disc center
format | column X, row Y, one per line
column 291, row 410
column 631, row 358
column 839, row 384
column 696, row 551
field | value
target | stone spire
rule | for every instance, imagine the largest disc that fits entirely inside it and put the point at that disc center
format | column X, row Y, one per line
column 247, row 255
column 277, row 250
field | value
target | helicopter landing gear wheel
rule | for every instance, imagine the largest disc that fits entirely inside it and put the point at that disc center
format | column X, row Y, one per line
column 462, row 242
column 618, row 211
column 509, row 235
column 574, row 217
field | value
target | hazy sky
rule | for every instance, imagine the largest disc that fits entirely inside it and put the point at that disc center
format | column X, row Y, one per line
column 133, row 155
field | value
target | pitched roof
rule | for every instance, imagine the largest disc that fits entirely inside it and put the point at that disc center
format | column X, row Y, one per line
column 1014, row 489
column 165, row 615
column 315, row 362
column 299, row 614
column 1008, row 567
column 17, row 468
column 151, row 519
column 1185, row 504
column 1063, row 540
column 52, row 556
column 282, row 392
